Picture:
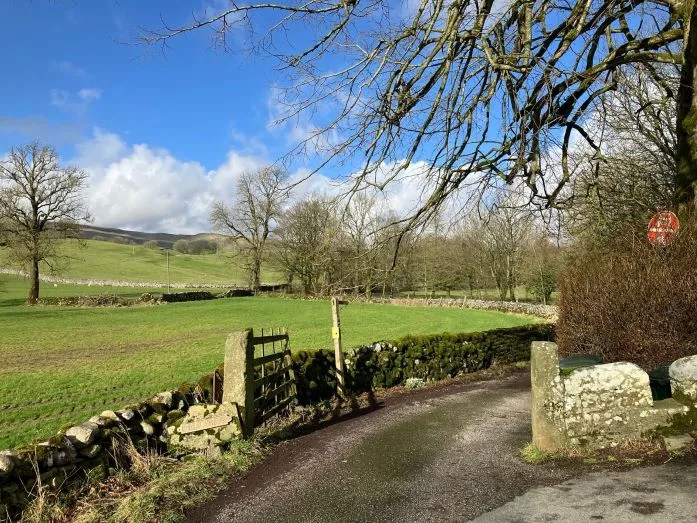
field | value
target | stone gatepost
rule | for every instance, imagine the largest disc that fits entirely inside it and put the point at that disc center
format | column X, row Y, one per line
column 548, row 427
column 238, row 384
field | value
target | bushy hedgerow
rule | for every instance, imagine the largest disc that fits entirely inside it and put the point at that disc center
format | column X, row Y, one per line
column 626, row 300
column 187, row 296
column 429, row 357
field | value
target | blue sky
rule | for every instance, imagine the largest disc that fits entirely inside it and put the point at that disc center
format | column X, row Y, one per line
column 162, row 135
column 191, row 100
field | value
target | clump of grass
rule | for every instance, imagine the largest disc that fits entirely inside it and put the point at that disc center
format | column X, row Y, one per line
column 533, row 455
column 147, row 487
column 190, row 483
column 45, row 506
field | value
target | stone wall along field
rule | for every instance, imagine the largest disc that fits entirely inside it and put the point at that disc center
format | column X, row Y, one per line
column 90, row 449
column 430, row 357
column 548, row 312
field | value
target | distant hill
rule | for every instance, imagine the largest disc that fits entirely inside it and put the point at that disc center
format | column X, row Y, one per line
column 163, row 239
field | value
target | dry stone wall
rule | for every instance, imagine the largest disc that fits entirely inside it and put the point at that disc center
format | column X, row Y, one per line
column 597, row 405
column 532, row 309
column 89, row 449
column 121, row 283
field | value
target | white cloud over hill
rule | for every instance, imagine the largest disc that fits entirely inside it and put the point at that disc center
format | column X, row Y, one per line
column 137, row 186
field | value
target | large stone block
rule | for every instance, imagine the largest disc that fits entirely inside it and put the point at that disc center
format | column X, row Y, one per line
column 604, row 402
column 206, row 426
column 683, row 379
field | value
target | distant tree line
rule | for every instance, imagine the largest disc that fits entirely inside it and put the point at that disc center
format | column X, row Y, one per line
column 197, row 246
column 324, row 246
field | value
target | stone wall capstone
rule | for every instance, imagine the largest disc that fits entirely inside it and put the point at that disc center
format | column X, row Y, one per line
column 600, row 404
column 683, row 377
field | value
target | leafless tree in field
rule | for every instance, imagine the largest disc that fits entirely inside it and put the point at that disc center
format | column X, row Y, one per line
column 40, row 203
column 504, row 235
column 308, row 234
column 483, row 92
column 251, row 217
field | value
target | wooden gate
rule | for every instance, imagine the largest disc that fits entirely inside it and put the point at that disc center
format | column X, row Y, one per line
column 258, row 375
column 274, row 379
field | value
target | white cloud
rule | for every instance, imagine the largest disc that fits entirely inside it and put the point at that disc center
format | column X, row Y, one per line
column 67, row 68
column 89, row 94
column 138, row 186
column 148, row 188
column 76, row 103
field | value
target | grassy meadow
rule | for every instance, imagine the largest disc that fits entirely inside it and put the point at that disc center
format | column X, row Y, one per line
column 101, row 260
column 61, row 365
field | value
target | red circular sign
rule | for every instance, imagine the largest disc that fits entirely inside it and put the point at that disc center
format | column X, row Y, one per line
column 663, row 228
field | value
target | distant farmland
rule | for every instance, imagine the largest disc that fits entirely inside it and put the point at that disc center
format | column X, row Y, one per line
column 112, row 261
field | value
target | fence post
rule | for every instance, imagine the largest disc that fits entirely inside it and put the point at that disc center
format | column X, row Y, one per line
column 338, row 351
column 288, row 361
column 238, row 384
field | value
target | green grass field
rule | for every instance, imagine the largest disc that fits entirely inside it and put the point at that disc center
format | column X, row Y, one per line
column 60, row 365
column 112, row 261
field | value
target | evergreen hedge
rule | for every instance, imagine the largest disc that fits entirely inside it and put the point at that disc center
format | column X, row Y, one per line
column 429, row 357
column 387, row 364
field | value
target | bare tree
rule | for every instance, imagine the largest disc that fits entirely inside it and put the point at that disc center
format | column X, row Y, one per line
column 504, row 234
column 252, row 215
column 308, row 235
column 40, row 203
column 483, row 92
column 637, row 173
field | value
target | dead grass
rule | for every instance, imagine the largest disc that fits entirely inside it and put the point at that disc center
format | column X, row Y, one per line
column 154, row 488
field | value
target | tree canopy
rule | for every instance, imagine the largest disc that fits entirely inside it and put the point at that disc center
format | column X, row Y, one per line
column 473, row 91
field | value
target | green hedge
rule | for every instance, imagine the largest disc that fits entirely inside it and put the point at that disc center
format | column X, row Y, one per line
column 429, row 357
column 389, row 363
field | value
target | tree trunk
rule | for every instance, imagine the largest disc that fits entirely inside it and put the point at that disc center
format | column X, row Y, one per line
column 686, row 177
column 256, row 274
column 33, row 283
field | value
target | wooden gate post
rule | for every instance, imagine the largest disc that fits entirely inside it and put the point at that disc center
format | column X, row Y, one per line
column 238, row 383
column 338, row 350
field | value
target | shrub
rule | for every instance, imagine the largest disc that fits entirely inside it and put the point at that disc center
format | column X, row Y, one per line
column 181, row 246
column 151, row 244
column 542, row 283
column 629, row 301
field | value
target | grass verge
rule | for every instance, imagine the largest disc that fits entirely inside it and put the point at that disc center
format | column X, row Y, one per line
column 157, row 488
column 624, row 456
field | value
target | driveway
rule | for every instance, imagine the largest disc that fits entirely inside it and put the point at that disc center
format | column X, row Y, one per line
column 444, row 454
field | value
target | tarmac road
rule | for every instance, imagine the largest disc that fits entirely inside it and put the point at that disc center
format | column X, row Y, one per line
column 443, row 454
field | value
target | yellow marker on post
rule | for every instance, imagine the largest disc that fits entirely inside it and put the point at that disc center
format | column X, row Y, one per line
column 338, row 351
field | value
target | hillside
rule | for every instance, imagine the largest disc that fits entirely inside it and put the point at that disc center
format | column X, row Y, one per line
column 102, row 260
column 123, row 236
